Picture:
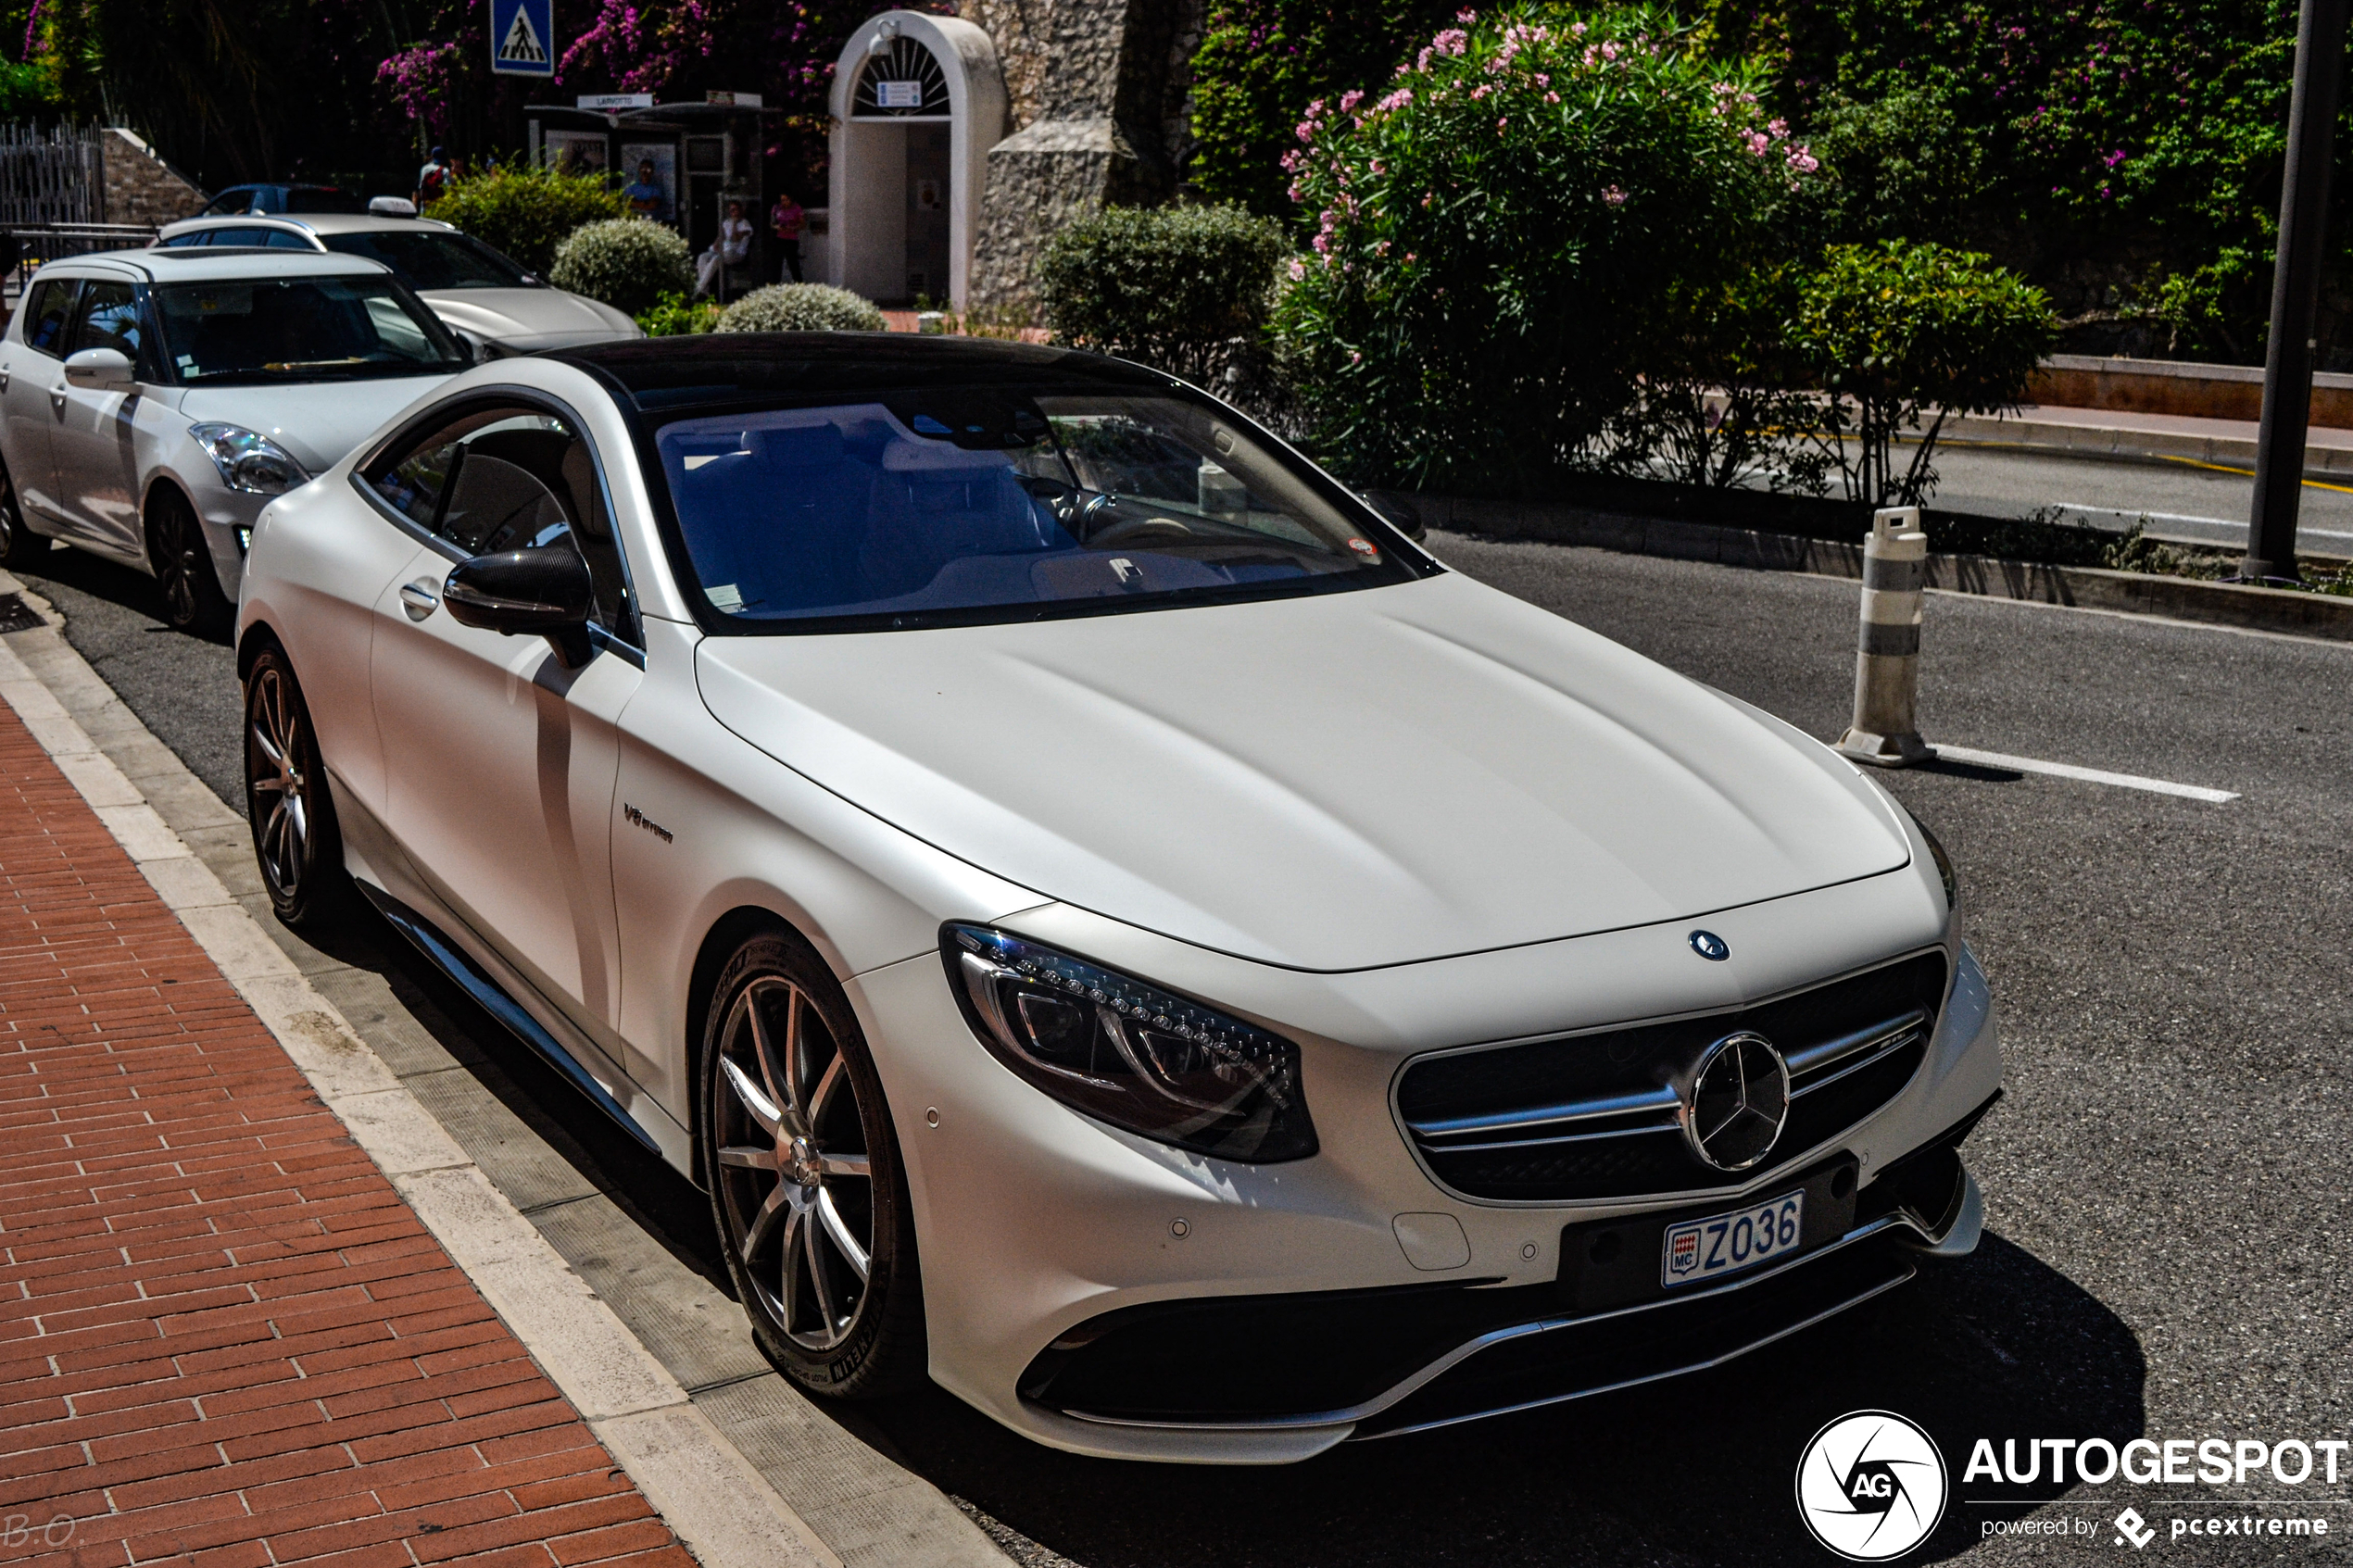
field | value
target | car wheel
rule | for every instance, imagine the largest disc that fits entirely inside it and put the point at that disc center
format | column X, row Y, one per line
column 805, row 1184
column 192, row 597
column 20, row 546
column 295, row 837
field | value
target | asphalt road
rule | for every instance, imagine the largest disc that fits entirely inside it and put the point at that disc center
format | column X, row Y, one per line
column 2172, row 498
column 2166, row 1180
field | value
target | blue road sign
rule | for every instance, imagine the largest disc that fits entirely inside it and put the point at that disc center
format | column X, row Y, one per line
column 522, row 37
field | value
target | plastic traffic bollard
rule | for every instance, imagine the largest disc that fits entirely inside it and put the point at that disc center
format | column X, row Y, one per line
column 1887, row 659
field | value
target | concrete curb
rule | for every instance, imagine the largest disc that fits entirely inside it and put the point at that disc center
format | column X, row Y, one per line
column 712, row 1497
column 2180, row 598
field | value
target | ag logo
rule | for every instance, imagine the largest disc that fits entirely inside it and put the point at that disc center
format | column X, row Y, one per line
column 1871, row 1485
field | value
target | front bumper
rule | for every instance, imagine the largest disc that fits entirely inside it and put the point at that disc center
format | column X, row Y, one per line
column 1042, row 1232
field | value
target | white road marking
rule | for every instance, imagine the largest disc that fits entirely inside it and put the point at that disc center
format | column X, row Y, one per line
column 2124, row 517
column 2088, row 775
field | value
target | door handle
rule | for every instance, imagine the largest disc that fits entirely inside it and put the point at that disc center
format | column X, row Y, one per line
column 420, row 598
column 57, row 397
column 6, row 371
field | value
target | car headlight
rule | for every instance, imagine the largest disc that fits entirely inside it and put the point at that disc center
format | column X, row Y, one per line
column 248, row 462
column 1945, row 873
column 1129, row 1053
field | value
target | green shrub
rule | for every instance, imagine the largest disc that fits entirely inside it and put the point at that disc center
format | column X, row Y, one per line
column 674, row 314
column 802, row 308
column 526, row 211
column 1538, row 212
column 628, row 263
column 1894, row 330
column 1171, row 287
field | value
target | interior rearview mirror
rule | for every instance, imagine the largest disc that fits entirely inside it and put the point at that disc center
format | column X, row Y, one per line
column 544, row 591
column 101, row 369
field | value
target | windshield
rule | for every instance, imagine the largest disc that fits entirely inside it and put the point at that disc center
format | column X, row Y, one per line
column 322, row 198
column 426, row 259
column 951, row 507
column 300, row 329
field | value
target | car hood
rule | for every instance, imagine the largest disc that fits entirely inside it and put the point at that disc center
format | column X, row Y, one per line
column 1345, row 782
column 316, row 421
column 524, row 319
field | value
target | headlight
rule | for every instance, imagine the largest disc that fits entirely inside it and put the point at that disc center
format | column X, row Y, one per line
column 248, row 462
column 1944, row 872
column 1128, row 1053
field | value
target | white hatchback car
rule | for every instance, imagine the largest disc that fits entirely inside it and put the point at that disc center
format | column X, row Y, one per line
column 494, row 301
column 156, row 400
column 1114, row 926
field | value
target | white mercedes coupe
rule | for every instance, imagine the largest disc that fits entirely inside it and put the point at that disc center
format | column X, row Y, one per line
column 1114, row 926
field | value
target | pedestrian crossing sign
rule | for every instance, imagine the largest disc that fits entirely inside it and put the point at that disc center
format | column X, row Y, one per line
column 522, row 37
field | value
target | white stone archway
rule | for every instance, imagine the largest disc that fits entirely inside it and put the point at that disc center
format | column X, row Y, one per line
column 903, row 78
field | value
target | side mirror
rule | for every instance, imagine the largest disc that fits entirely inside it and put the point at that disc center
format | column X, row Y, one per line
column 1399, row 513
column 101, row 369
column 544, row 591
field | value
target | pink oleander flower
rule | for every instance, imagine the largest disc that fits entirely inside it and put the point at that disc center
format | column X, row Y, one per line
column 1466, row 17
column 1298, row 268
column 1552, row 97
column 1349, row 100
column 1543, row 78
column 1613, row 195
column 1396, row 100
column 1453, row 41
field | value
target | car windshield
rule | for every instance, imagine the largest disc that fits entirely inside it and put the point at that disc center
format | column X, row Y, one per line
column 424, row 259
column 959, row 505
column 300, row 329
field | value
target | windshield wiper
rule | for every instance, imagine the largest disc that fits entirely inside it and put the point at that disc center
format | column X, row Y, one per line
column 281, row 366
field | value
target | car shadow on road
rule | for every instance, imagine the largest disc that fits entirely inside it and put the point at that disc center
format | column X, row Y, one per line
column 117, row 585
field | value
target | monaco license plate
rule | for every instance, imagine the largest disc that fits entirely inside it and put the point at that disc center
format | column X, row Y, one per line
column 1725, row 1244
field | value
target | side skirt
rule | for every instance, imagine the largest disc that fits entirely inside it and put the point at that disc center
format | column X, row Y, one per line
column 447, row 957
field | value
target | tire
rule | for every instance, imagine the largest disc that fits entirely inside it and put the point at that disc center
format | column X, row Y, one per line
column 20, row 546
column 804, row 1176
column 297, row 841
column 193, row 601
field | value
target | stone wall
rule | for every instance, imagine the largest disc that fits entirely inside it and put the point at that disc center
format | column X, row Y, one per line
column 1099, row 93
column 141, row 188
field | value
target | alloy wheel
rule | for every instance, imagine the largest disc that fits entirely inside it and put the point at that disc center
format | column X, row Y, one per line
column 279, row 785
column 177, row 564
column 795, row 1179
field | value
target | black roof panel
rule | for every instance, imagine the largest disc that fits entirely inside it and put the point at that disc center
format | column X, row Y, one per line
column 724, row 366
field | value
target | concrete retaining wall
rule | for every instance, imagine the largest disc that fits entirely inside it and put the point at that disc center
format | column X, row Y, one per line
column 2166, row 386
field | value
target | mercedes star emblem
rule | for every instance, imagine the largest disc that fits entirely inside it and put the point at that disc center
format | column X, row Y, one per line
column 1736, row 1102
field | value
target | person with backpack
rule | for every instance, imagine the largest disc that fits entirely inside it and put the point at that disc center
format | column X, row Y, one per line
column 433, row 179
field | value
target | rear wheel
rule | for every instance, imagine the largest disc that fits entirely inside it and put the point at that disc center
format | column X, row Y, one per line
column 20, row 546
column 805, row 1184
column 192, row 597
column 295, row 840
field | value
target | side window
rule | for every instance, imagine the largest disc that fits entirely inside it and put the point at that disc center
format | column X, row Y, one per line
column 47, row 315
column 108, row 319
column 237, row 199
column 504, row 478
column 286, row 239
column 194, row 237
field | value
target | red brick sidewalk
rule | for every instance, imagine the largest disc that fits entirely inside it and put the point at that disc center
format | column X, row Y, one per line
column 224, row 1339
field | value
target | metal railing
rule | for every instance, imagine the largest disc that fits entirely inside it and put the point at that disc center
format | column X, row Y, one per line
column 24, row 249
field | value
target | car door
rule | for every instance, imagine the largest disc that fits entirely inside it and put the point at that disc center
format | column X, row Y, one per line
column 30, row 371
column 93, row 444
column 499, row 760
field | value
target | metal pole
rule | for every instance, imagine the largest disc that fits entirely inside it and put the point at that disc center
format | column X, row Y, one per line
column 2295, row 290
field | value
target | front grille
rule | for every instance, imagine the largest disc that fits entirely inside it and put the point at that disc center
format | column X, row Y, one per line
column 1593, row 1116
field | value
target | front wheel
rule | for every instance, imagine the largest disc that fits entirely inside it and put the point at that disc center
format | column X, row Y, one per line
column 806, row 1185
column 295, row 840
column 192, row 597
